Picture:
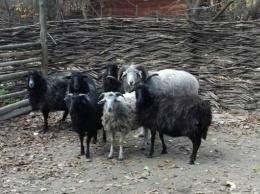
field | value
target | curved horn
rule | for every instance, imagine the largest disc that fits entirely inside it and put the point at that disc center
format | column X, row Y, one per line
column 68, row 95
column 149, row 77
column 113, row 78
column 119, row 94
column 82, row 94
column 101, row 96
column 143, row 70
column 121, row 70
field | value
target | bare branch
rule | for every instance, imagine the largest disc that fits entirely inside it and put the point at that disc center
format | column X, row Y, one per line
column 222, row 10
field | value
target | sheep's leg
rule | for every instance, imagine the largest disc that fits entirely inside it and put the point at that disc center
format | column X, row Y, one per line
column 164, row 150
column 196, row 141
column 104, row 135
column 145, row 140
column 121, row 142
column 95, row 138
column 88, row 142
column 153, row 133
column 45, row 117
column 65, row 114
column 110, row 155
column 82, row 149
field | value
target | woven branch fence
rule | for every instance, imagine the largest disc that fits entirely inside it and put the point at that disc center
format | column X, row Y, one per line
column 224, row 56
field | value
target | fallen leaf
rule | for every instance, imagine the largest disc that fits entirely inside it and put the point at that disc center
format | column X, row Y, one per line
column 231, row 185
column 167, row 161
column 127, row 161
column 146, row 168
column 256, row 167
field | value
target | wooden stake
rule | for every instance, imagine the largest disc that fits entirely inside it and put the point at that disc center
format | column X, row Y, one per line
column 16, row 113
column 16, row 105
column 12, row 76
column 43, row 37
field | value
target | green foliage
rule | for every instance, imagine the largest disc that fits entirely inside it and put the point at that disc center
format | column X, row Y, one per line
column 7, row 101
column 2, row 91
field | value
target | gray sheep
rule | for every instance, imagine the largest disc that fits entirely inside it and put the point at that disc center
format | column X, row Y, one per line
column 119, row 116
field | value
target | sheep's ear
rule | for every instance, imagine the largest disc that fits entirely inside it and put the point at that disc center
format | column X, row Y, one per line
column 143, row 70
column 67, row 77
column 25, row 75
column 121, row 72
column 149, row 77
column 101, row 101
column 104, row 67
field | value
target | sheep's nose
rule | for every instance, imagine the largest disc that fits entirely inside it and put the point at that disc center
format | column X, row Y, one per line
column 139, row 100
column 131, row 83
column 109, row 109
column 31, row 85
column 76, row 86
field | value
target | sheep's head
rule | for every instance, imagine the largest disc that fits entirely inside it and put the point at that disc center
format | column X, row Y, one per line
column 110, row 100
column 76, row 78
column 73, row 100
column 142, row 91
column 132, row 75
column 111, row 70
column 32, row 78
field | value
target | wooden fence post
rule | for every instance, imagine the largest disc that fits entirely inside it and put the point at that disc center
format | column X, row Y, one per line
column 43, row 37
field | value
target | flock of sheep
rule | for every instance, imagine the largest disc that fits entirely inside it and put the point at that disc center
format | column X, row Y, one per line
column 131, row 97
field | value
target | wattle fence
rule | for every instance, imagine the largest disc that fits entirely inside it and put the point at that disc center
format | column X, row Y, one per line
column 224, row 56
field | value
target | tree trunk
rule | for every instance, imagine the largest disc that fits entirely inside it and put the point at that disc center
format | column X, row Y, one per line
column 9, row 14
column 196, row 10
column 254, row 9
column 43, row 37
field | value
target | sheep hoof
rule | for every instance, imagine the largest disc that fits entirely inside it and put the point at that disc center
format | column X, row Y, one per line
column 149, row 155
column 94, row 141
column 142, row 148
column 109, row 157
column 191, row 162
column 88, row 160
column 140, row 135
column 164, row 152
column 120, row 158
column 44, row 130
column 71, row 129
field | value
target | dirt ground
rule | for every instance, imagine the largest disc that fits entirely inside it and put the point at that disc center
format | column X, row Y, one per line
column 228, row 161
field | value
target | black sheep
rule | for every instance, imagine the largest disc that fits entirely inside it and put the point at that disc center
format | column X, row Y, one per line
column 80, row 83
column 46, row 94
column 85, row 116
column 110, row 83
column 185, row 115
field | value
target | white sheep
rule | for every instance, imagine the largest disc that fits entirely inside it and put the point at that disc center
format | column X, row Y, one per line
column 168, row 81
column 119, row 116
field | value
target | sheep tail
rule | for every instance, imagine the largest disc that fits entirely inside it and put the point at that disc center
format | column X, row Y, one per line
column 205, row 118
